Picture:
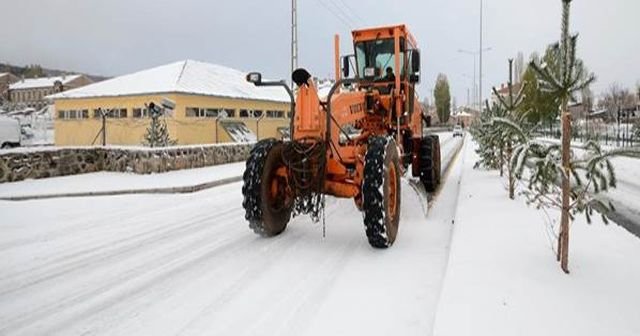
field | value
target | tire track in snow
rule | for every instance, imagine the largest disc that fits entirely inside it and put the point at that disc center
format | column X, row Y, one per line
column 136, row 226
column 102, row 255
column 162, row 266
column 78, row 223
column 133, row 299
column 307, row 296
column 231, row 248
column 251, row 276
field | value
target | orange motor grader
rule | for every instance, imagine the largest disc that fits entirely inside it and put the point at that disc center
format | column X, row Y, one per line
column 356, row 142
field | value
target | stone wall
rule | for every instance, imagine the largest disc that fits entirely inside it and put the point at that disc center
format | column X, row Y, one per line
column 17, row 165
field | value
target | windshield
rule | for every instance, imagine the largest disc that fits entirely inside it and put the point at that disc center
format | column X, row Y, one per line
column 375, row 59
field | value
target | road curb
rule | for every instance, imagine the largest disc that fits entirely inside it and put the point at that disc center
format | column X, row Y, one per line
column 167, row 190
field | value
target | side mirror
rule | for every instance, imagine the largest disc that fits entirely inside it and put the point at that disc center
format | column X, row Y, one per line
column 415, row 61
column 345, row 66
column 254, row 77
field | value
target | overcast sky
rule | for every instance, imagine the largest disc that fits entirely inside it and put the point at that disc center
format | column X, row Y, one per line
column 115, row 37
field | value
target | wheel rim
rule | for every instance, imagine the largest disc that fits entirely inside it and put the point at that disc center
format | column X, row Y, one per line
column 277, row 193
column 393, row 196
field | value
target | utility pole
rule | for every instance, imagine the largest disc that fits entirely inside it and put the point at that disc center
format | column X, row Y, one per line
column 480, row 52
column 477, row 98
column 294, row 36
column 468, row 101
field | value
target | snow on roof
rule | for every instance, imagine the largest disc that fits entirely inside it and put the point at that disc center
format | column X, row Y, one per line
column 32, row 83
column 192, row 77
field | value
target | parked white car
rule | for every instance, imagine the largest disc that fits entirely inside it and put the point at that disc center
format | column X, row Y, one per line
column 457, row 131
column 10, row 133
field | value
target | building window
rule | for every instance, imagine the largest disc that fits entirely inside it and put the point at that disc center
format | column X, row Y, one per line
column 117, row 113
column 211, row 113
column 192, row 112
column 275, row 114
column 231, row 113
column 197, row 112
column 250, row 113
column 113, row 113
column 73, row 114
column 141, row 113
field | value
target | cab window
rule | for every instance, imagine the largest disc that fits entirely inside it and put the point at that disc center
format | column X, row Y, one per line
column 375, row 59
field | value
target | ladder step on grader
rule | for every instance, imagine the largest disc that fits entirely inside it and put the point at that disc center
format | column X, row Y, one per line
column 355, row 143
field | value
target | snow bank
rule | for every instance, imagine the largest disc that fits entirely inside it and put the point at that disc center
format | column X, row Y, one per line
column 502, row 278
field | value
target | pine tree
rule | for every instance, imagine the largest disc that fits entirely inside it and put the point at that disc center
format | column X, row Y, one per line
column 157, row 134
column 563, row 79
column 490, row 141
column 510, row 104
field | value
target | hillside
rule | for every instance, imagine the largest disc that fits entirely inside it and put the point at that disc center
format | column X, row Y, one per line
column 35, row 70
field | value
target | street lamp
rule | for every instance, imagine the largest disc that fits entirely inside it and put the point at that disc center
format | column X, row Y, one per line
column 474, row 54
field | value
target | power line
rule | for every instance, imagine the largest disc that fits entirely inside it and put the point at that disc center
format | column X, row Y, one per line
column 351, row 11
column 335, row 14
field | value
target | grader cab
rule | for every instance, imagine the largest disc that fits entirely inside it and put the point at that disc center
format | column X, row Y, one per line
column 355, row 143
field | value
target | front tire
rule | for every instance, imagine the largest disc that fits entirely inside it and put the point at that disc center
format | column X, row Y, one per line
column 267, row 201
column 381, row 192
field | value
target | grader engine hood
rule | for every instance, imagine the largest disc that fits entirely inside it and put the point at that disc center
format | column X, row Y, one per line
column 310, row 117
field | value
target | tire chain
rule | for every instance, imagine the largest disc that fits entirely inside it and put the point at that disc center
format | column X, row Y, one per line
column 252, row 178
column 373, row 197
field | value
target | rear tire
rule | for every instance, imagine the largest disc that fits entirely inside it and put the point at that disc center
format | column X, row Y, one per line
column 266, row 201
column 381, row 192
column 430, row 162
column 437, row 166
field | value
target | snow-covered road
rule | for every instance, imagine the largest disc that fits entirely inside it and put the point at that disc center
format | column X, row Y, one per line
column 189, row 265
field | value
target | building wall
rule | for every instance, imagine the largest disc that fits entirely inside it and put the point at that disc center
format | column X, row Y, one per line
column 84, row 128
column 31, row 97
column 119, row 131
column 34, row 97
column 203, row 130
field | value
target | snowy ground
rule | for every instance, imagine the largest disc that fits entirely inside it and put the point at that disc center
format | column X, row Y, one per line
column 189, row 265
column 502, row 278
column 114, row 181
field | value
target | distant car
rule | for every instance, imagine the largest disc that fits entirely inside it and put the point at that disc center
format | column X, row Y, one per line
column 457, row 131
column 10, row 132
